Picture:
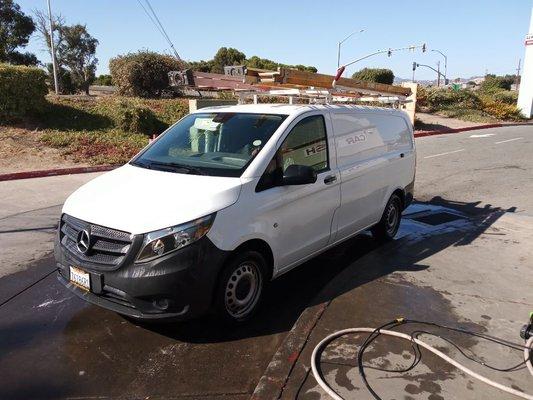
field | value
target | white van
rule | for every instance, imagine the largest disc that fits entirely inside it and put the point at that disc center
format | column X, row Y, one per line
column 229, row 198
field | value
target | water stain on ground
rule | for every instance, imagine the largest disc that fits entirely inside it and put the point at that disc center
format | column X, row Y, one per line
column 396, row 297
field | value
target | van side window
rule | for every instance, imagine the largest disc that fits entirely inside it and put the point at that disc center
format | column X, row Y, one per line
column 306, row 144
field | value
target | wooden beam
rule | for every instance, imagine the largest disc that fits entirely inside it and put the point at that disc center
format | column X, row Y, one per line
column 305, row 78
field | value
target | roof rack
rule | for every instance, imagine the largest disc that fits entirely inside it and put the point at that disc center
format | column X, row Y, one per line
column 287, row 82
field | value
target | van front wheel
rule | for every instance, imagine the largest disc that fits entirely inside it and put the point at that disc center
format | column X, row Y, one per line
column 389, row 224
column 240, row 287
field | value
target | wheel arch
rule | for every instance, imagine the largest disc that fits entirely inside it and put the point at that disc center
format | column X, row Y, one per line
column 258, row 245
column 401, row 194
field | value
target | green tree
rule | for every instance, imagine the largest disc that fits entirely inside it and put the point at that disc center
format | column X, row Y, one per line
column 66, row 86
column 15, row 31
column 77, row 53
column 264, row 63
column 378, row 75
column 227, row 56
column 202, row 66
column 104, row 80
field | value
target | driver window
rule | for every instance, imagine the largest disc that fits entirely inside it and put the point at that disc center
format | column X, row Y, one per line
column 306, row 145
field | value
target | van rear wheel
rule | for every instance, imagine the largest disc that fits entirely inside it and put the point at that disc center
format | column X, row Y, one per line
column 241, row 286
column 389, row 224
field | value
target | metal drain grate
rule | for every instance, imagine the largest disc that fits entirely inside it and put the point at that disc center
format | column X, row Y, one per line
column 438, row 218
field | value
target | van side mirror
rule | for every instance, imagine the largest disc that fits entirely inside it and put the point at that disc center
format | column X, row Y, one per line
column 298, row 175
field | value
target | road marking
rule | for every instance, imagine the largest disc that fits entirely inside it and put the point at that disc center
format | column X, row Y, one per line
column 443, row 154
column 508, row 140
column 484, row 135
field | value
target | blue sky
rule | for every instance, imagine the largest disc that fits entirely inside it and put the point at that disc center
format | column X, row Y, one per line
column 476, row 35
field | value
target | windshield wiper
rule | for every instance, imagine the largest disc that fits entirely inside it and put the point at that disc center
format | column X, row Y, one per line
column 175, row 166
column 140, row 164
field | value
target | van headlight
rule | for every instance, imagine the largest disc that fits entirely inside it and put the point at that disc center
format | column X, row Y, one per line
column 159, row 243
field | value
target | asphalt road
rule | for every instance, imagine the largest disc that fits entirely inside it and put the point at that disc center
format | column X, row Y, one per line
column 53, row 345
column 490, row 167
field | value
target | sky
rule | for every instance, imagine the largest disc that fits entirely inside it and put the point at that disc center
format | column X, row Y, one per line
column 477, row 36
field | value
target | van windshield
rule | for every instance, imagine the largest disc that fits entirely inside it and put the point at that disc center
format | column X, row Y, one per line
column 218, row 144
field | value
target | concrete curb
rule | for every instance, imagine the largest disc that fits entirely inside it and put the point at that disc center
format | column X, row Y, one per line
column 55, row 172
column 468, row 128
column 273, row 381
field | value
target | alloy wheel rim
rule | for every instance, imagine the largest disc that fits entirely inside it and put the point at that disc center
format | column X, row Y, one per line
column 242, row 290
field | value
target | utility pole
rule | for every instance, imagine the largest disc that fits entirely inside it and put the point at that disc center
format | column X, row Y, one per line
column 438, row 73
column 414, row 69
column 445, row 64
column 517, row 80
column 52, row 48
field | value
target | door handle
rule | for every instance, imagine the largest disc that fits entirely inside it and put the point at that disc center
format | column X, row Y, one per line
column 402, row 155
column 330, row 179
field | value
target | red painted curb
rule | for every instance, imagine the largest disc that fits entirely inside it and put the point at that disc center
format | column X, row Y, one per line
column 465, row 129
column 55, row 172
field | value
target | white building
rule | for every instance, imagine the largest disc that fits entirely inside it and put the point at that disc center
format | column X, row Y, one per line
column 525, row 96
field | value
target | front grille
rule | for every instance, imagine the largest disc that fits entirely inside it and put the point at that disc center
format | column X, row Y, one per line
column 108, row 247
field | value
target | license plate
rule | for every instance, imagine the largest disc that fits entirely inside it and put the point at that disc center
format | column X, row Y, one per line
column 80, row 278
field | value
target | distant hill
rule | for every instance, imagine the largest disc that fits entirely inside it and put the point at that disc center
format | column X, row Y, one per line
column 424, row 82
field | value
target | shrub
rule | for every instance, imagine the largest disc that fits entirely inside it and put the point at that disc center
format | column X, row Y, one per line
column 506, row 96
column 442, row 98
column 22, row 91
column 131, row 116
column 421, row 98
column 96, row 147
column 379, row 75
column 500, row 110
column 142, row 74
column 173, row 111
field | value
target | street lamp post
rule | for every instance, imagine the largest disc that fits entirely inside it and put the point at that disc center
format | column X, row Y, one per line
column 340, row 44
column 445, row 64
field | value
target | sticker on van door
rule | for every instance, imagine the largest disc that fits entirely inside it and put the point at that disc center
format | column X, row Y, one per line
column 355, row 138
column 315, row 149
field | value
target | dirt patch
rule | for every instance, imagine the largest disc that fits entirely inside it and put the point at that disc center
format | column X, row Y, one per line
column 21, row 150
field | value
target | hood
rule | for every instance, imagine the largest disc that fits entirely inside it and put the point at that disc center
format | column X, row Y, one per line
column 139, row 200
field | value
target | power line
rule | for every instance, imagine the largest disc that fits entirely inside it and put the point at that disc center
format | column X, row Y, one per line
column 157, row 23
column 163, row 29
column 150, row 16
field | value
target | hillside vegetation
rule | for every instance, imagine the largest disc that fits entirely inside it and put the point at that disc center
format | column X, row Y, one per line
column 96, row 130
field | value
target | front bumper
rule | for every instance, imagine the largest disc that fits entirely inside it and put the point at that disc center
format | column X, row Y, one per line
column 179, row 285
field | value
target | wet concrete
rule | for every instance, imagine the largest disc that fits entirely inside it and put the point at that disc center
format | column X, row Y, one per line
column 473, row 274
column 54, row 346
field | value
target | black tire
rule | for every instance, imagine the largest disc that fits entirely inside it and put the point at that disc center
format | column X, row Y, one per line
column 389, row 224
column 240, row 287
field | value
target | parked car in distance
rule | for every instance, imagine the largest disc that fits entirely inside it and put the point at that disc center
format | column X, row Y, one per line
column 229, row 198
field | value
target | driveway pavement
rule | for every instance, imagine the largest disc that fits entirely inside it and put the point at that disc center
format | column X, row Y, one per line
column 64, row 348
column 29, row 211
